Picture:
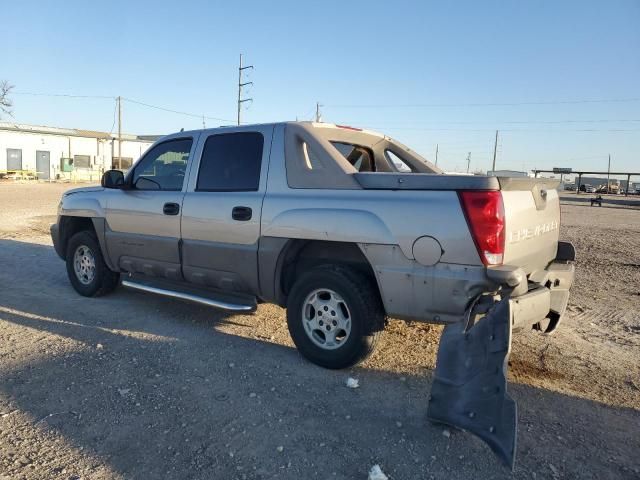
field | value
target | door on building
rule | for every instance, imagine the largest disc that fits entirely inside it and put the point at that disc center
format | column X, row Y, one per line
column 43, row 164
column 14, row 159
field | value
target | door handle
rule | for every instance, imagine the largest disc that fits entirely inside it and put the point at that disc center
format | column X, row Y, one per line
column 171, row 208
column 241, row 213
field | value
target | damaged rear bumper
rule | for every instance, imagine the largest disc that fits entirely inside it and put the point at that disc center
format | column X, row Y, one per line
column 469, row 389
column 540, row 299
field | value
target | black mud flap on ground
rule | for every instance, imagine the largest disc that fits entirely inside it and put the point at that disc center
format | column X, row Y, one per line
column 469, row 390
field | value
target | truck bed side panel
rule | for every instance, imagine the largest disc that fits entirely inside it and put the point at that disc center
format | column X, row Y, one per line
column 372, row 216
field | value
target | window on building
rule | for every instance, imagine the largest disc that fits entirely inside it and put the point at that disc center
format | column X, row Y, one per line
column 164, row 166
column 82, row 161
column 231, row 162
column 122, row 163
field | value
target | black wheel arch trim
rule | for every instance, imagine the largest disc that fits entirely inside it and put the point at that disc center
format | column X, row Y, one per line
column 275, row 253
column 62, row 232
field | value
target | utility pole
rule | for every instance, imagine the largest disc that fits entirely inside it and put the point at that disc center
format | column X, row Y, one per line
column 495, row 149
column 203, row 124
column 241, row 85
column 318, row 114
column 436, row 154
column 609, row 173
column 468, row 161
column 119, row 133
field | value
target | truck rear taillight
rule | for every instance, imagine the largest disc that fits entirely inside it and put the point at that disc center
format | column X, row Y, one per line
column 484, row 211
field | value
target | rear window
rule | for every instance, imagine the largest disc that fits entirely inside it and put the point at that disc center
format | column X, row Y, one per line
column 231, row 162
column 360, row 157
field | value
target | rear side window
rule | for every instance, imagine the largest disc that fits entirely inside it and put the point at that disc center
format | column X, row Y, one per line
column 400, row 164
column 310, row 158
column 360, row 157
column 231, row 162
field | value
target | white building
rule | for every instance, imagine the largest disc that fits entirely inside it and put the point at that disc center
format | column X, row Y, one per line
column 58, row 153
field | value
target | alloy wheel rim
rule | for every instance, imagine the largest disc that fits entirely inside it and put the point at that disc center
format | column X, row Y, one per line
column 84, row 264
column 326, row 319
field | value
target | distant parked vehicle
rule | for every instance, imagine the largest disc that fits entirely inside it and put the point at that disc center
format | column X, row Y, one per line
column 571, row 187
column 614, row 188
column 585, row 187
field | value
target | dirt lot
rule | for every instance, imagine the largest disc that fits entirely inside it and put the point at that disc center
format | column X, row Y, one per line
column 136, row 386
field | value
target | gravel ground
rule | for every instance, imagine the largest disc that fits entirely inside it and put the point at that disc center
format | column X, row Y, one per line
column 137, row 386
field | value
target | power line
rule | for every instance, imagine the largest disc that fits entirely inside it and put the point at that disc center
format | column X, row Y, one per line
column 496, row 122
column 130, row 100
column 591, row 157
column 66, row 95
column 524, row 130
column 178, row 112
column 489, row 104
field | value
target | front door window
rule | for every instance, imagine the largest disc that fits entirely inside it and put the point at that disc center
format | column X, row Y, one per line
column 164, row 166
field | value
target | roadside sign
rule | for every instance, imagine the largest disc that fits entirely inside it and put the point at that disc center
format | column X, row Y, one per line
column 562, row 170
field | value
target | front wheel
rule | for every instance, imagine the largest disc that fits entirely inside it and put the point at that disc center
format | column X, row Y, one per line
column 334, row 315
column 86, row 267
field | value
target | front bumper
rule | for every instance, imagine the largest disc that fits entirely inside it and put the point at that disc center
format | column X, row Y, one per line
column 55, row 237
column 540, row 299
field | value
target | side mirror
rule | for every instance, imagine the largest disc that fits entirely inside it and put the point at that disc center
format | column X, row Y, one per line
column 112, row 179
column 146, row 183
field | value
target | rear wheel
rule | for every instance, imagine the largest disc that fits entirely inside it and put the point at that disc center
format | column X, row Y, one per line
column 86, row 267
column 334, row 315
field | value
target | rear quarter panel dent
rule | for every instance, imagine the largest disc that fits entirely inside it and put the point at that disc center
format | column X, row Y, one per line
column 440, row 293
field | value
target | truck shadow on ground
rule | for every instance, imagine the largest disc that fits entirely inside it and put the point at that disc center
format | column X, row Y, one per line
column 152, row 389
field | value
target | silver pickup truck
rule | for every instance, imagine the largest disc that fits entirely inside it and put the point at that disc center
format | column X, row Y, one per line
column 343, row 227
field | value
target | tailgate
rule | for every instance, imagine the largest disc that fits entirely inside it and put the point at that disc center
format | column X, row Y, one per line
column 532, row 222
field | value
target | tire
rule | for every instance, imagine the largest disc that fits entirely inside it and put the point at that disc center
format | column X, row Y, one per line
column 312, row 301
column 91, row 278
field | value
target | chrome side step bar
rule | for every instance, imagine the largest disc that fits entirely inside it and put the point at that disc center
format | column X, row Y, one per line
column 211, row 302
